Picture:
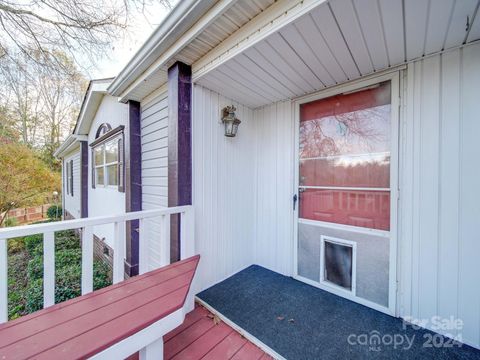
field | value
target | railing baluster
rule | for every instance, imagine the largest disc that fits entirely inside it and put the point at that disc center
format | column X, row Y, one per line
column 187, row 241
column 164, row 240
column 87, row 260
column 87, row 225
column 119, row 252
column 3, row 280
column 48, row 269
column 143, row 246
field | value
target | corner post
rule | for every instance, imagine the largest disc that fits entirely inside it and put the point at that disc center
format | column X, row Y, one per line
column 83, row 179
column 133, row 185
column 179, row 147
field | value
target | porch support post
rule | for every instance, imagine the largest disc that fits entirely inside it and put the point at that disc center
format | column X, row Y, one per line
column 179, row 147
column 83, row 179
column 133, row 184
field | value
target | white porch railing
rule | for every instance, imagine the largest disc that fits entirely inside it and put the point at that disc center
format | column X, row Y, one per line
column 86, row 225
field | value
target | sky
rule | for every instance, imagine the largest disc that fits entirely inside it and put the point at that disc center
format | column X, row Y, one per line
column 141, row 27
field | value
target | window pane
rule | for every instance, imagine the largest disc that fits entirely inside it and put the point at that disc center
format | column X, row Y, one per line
column 112, row 174
column 368, row 170
column 98, row 155
column 100, row 176
column 111, row 151
column 346, row 135
column 369, row 209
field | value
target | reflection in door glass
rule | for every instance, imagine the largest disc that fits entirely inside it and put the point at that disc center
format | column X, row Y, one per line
column 345, row 158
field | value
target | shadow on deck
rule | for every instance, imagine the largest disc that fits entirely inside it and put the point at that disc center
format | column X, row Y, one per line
column 299, row 321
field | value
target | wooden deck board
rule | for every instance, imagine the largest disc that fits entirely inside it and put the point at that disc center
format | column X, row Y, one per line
column 84, row 326
column 202, row 336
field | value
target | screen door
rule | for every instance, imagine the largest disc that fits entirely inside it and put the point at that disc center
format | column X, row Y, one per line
column 345, row 194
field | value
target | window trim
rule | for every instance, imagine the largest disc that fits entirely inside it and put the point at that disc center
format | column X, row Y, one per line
column 115, row 135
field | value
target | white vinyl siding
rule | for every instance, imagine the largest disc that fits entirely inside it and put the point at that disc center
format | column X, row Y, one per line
column 72, row 202
column 104, row 200
column 274, row 156
column 439, row 245
column 223, row 188
column 439, row 211
column 154, row 131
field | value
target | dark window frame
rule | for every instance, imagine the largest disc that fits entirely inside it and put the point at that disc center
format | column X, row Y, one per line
column 117, row 135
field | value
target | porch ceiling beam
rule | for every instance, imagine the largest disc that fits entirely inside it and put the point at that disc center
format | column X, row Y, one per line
column 217, row 10
column 266, row 23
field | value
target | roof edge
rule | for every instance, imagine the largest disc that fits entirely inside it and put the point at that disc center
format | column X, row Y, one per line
column 86, row 98
column 71, row 141
column 169, row 31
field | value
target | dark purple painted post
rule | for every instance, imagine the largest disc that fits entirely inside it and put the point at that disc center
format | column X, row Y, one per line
column 84, row 179
column 133, row 183
column 179, row 147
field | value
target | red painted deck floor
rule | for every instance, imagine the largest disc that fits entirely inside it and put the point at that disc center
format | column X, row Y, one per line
column 203, row 336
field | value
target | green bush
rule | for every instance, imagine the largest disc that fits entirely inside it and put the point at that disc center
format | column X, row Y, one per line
column 26, row 279
column 16, row 245
column 34, row 296
column 9, row 222
column 101, row 275
column 17, row 284
column 66, row 239
column 34, row 244
column 68, row 282
column 54, row 212
column 35, row 268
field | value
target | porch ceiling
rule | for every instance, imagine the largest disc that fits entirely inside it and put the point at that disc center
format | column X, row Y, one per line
column 226, row 24
column 342, row 40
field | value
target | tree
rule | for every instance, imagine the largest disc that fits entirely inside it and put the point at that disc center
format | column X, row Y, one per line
column 8, row 133
column 42, row 108
column 61, row 96
column 84, row 30
column 21, row 97
column 24, row 179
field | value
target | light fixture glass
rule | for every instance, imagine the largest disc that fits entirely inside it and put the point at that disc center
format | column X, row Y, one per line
column 230, row 121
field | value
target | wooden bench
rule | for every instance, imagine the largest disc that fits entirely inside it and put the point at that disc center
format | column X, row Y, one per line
column 111, row 323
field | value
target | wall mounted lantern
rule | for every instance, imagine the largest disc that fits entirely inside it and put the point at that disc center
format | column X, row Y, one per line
column 230, row 121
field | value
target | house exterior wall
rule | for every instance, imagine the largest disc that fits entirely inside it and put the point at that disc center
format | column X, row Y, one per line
column 103, row 200
column 72, row 202
column 439, row 211
column 439, row 245
column 154, row 131
column 223, row 188
column 274, row 159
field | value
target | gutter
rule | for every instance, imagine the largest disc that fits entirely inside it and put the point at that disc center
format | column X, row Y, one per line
column 181, row 18
column 67, row 145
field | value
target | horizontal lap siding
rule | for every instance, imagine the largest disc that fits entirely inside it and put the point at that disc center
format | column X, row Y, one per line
column 72, row 203
column 223, row 188
column 439, row 245
column 154, row 130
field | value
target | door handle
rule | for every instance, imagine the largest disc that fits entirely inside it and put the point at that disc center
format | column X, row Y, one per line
column 295, row 199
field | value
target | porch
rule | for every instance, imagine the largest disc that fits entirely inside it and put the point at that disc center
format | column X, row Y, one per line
column 298, row 321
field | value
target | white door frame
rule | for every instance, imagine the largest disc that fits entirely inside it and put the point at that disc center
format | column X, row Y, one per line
column 394, row 78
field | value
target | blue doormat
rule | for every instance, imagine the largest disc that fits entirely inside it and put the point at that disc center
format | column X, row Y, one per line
column 303, row 322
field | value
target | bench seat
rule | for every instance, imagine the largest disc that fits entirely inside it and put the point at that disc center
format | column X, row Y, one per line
column 100, row 324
